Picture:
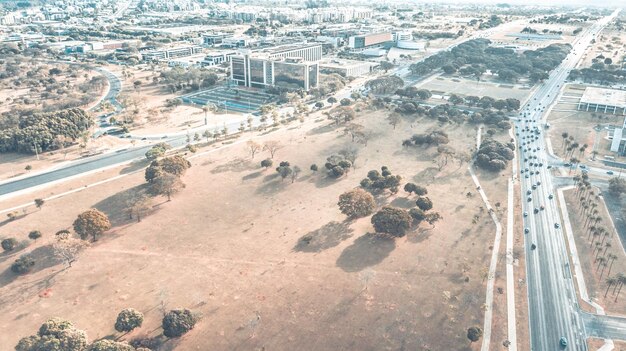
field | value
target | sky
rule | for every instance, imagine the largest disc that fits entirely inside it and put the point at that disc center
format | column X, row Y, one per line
column 590, row 3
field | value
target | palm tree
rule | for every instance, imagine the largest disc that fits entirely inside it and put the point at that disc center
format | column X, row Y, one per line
column 205, row 109
column 622, row 280
column 607, row 245
column 595, row 234
column 597, row 250
column 564, row 135
column 602, row 264
column 612, row 258
column 609, row 282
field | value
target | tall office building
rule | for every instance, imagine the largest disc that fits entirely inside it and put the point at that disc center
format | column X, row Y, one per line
column 290, row 66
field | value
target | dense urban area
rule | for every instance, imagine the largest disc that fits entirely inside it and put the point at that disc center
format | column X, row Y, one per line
column 312, row 175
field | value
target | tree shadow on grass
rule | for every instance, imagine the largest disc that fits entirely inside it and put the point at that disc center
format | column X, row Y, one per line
column 252, row 175
column 115, row 205
column 44, row 258
column 134, row 166
column 274, row 187
column 366, row 251
column 329, row 235
column 236, row 165
column 426, row 176
column 403, row 202
column 322, row 129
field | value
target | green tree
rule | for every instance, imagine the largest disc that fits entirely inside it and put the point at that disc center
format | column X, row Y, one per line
column 178, row 322
column 91, row 223
column 39, row 203
column 424, row 203
column 267, row 163
column 55, row 335
column 128, row 319
column 391, row 220
column 166, row 184
column 474, row 334
column 9, row 244
column 23, row 264
column 617, row 186
column 356, row 203
column 109, row 345
column 34, row 234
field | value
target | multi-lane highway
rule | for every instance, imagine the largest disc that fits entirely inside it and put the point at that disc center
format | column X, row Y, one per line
column 554, row 315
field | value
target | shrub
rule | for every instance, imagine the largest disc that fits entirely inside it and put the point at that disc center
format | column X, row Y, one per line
column 178, row 322
column 267, row 163
column 23, row 265
column 34, row 235
column 9, row 244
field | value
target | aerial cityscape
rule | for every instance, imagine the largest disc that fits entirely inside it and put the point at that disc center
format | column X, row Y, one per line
column 312, row 175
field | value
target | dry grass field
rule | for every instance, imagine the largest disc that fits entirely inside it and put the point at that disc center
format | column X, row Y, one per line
column 467, row 87
column 230, row 247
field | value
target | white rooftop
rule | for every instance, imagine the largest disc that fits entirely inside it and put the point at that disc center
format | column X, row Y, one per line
column 602, row 96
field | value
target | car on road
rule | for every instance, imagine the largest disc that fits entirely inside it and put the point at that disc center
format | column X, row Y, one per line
column 534, row 187
column 542, row 208
column 529, row 192
column 582, row 166
column 550, row 196
column 563, row 342
column 557, row 226
column 527, row 176
column 536, row 210
column 526, row 230
column 538, row 183
column 609, row 172
column 530, row 199
column 525, row 214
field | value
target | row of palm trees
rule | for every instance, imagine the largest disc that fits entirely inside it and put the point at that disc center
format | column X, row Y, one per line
column 570, row 146
column 598, row 235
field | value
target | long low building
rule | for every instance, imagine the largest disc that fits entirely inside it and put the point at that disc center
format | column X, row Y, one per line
column 603, row 100
column 346, row 68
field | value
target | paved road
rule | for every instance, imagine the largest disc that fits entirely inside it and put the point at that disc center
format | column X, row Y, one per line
column 606, row 327
column 553, row 306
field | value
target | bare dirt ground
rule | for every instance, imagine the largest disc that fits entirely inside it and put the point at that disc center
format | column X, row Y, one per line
column 610, row 43
column 595, row 274
column 500, row 37
column 230, row 247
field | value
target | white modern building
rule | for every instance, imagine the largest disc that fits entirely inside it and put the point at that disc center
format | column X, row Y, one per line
column 346, row 68
column 603, row 100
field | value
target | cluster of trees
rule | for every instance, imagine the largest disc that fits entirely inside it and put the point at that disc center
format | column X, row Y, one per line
column 486, row 102
column 475, row 57
column 414, row 93
column 341, row 114
column 598, row 235
column 164, row 175
column 329, row 83
column 57, row 334
column 494, row 155
column 571, row 146
column 447, row 113
column 378, row 182
column 385, row 84
column 192, row 78
column 493, row 21
column 285, row 170
column 358, row 203
column 39, row 132
column 340, row 164
column 437, row 35
column 617, row 186
column 434, row 138
column 599, row 73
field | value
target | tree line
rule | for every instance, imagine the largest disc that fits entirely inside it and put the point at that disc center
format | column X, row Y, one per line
column 57, row 334
column 39, row 132
column 475, row 57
